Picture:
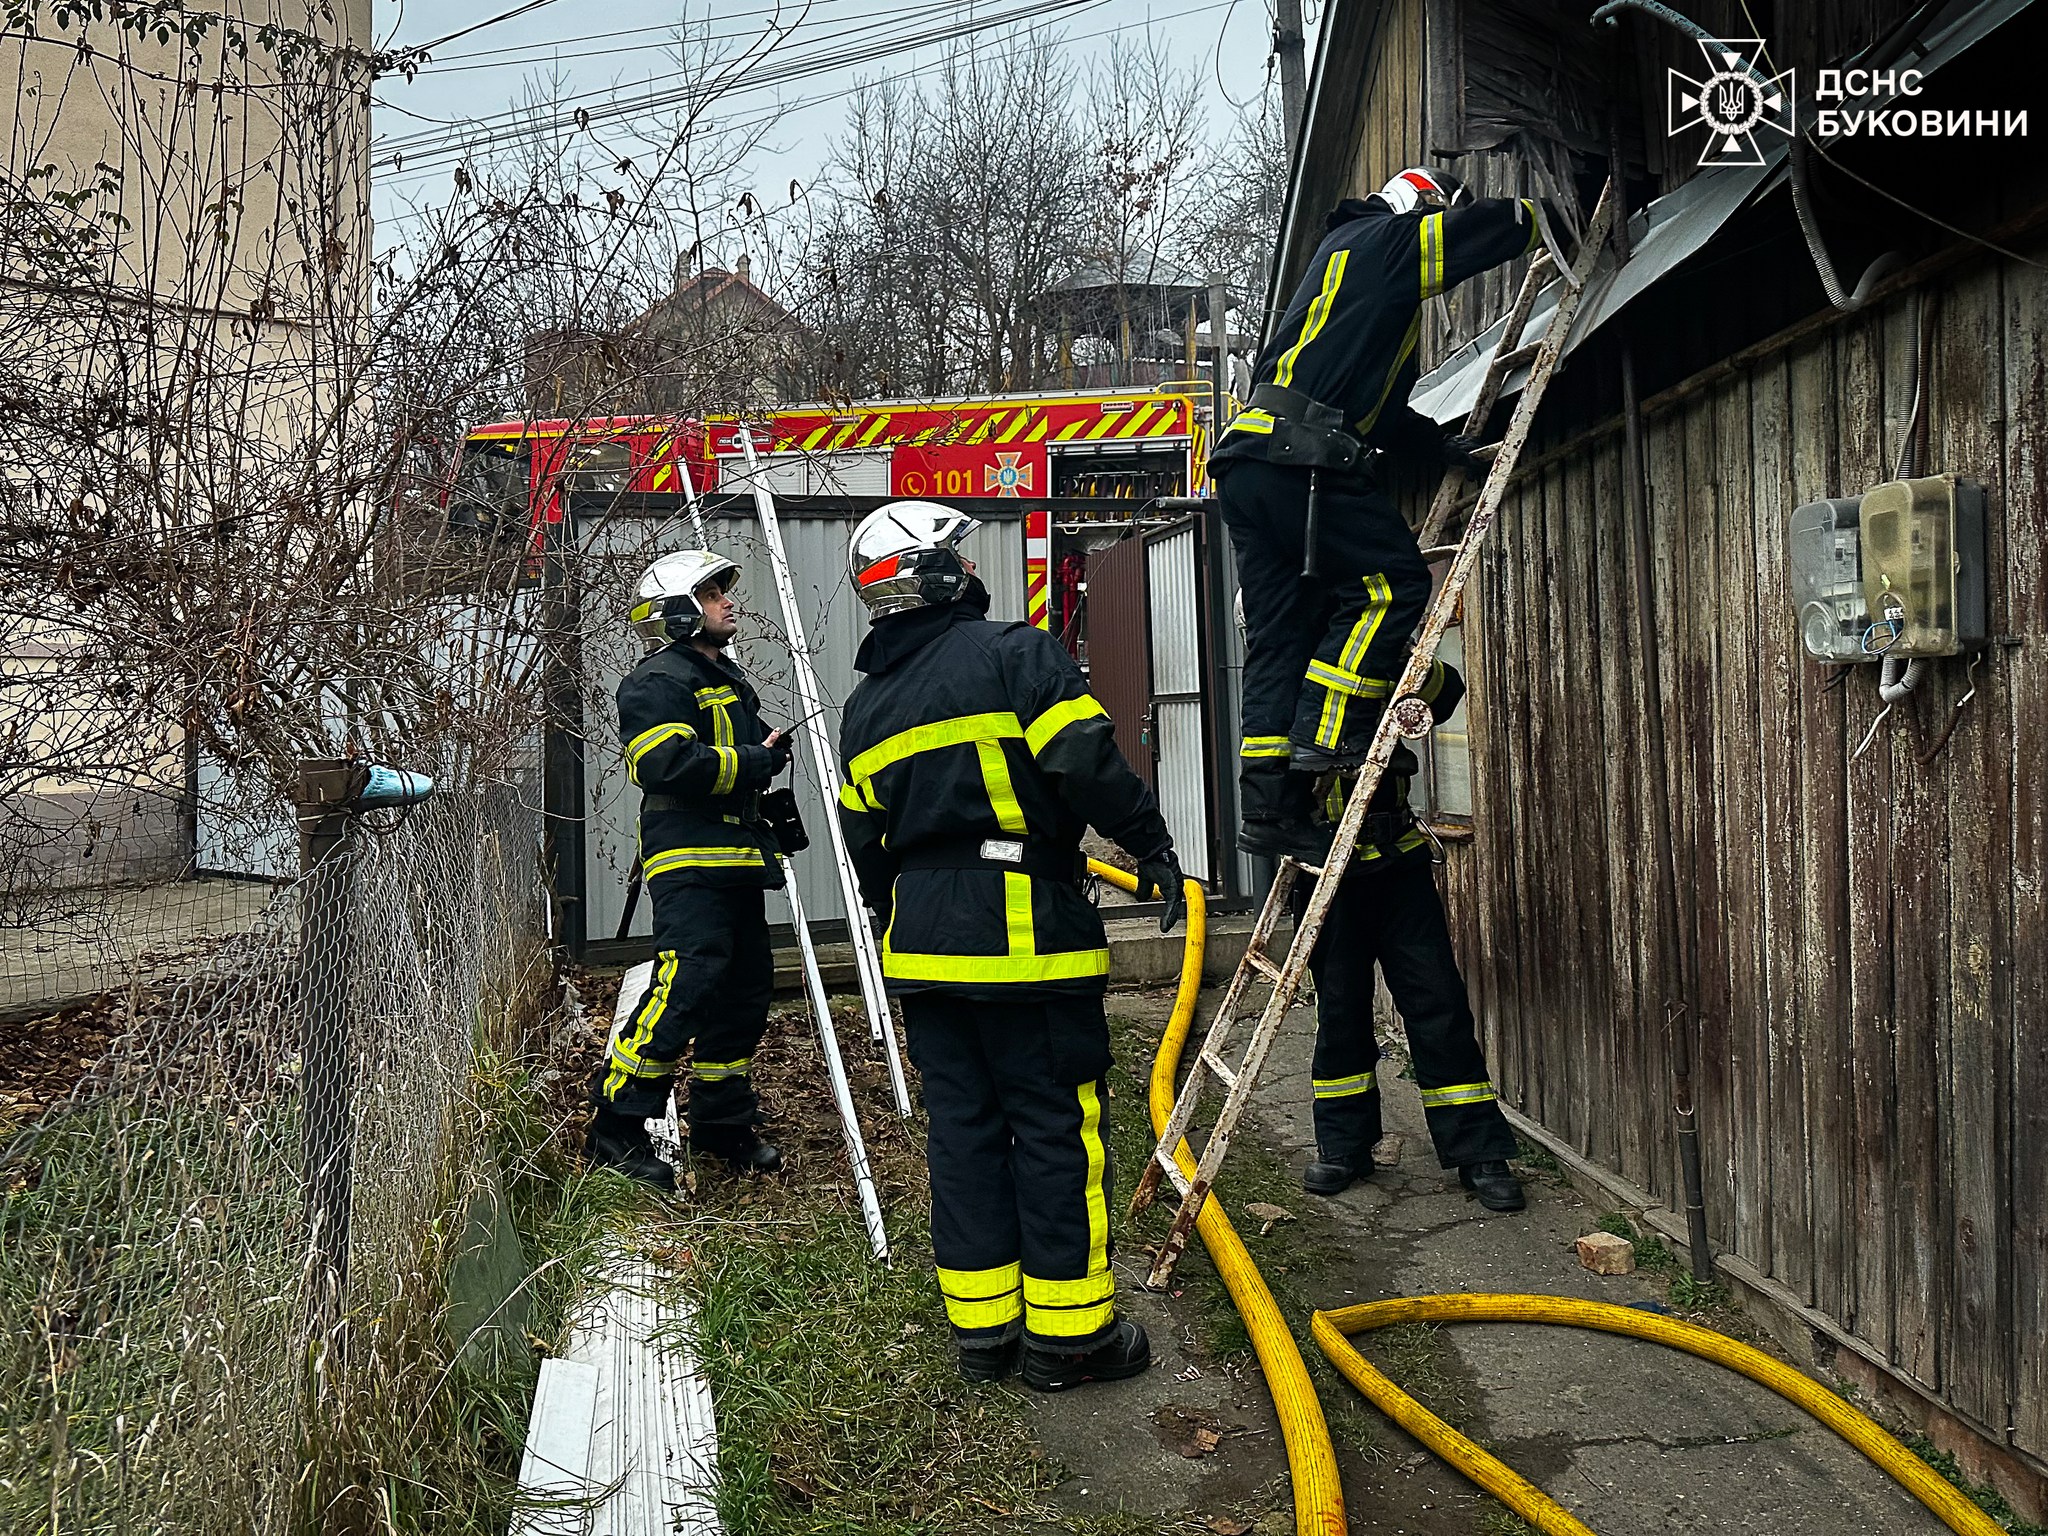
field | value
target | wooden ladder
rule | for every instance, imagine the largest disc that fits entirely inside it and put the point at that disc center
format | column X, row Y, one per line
column 1407, row 715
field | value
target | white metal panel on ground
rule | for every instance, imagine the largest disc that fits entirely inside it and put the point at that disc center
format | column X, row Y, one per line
column 1181, row 770
column 555, row 1491
column 836, row 623
column 654, row 1442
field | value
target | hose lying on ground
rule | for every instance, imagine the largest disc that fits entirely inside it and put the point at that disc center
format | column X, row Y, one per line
column 1311, row 1458
column 1331, row 1331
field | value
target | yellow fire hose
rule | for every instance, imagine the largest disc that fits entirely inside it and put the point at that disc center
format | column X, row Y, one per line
column 1311, row 1458
column 1331, row 1331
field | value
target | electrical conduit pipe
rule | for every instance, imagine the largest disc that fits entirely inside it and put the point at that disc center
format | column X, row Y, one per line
column 1311, row 1458
column 1332, row 1330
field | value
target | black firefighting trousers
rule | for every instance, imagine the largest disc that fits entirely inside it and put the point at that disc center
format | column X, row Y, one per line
column 714, row 971
column 1322, row 656
column 1388, row 914
column 1019, row 1158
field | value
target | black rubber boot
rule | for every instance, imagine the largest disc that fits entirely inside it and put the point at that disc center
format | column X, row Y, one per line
column 1127, row 1353
column 1331, row 1176
column 1497, row 1188
column 739, row 1145
column 621, row 1143
column 1278, row 807
column 988, row 1362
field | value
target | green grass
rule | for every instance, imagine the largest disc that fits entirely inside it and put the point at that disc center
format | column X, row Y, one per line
column 1986, row 1498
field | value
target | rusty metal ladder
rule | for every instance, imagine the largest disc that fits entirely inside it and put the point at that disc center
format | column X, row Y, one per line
column 1408, row 715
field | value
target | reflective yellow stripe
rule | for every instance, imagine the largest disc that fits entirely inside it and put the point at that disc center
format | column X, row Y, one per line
column 1066, row 965
column 981, row 1298
column 640, row 611
column 626, row 1053
column 1039, row 734
column 1535, row 229
column 700, row 858
column 717, row 696
column 1371, row 417
column 1002, row 794
column 929, row 738
column 1432, row 683
column 1379, row 597
column 1432, row 255
column 1349, row 682
column 728, row 770
column 1330, row 723
column 1071, row 1309
column 1263, row 746
column 850, row 798
column 1343, row 1087
column 648, row 740
column 1017, row 913
column 1457, row 1093
column 1413, row 838
column 1258, row 422
column 719, row 1071
column 1311, row 323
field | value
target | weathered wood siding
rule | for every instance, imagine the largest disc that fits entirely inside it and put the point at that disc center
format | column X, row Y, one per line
column 1866, row 938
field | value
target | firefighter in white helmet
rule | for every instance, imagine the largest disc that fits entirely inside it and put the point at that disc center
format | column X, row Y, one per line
column 974, row 760
column 696, row 747
column 1330, row 600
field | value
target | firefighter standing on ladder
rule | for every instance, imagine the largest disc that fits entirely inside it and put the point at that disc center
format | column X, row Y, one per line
column 1333, row 582
column 697, row 749
column 974, row 759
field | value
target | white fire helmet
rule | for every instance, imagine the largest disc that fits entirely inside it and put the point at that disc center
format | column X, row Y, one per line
column 1423, row 187
column 667, row 609
column 906, row 555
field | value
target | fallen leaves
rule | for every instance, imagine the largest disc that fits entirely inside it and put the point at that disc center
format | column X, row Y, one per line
column 1267, row 1214
column 1228, row 1525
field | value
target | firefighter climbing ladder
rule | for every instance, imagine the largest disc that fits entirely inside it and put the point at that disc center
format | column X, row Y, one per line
column 1407, row 715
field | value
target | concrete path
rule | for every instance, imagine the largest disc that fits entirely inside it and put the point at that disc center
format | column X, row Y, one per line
column 76, row 944
column 1632, row 1437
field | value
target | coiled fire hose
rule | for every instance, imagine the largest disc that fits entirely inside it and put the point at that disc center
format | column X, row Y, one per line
column 1318, row 1496
column 1311, row 1458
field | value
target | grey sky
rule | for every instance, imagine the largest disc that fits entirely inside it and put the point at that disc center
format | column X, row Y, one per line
column 613, row 55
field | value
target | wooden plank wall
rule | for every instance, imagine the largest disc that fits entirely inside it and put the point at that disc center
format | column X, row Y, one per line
column 1865, row 937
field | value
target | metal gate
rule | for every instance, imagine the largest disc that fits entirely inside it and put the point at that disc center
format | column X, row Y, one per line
column 1177, row 709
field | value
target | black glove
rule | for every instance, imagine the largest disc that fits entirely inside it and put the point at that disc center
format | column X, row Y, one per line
column 1160, row 879
column 1457, row 451
column 780, row 752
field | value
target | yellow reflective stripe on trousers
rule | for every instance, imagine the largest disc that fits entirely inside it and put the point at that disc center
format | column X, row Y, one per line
column 1002, row 794
column 998, row 726
column 1343, row 1087
column 1350, row 682
column 1458, row 1093
column 1432, row 255
column 1263, row 746
column 719, row 1071
column 626, row 1058
column 1039, row 733
column 1072, row 1309
column 1432, row 683
column 1311, row 323
column 700, row 858
column 981, row 1298
column 1379, row 598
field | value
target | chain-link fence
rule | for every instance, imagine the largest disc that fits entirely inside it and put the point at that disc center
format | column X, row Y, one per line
column 224, row 1254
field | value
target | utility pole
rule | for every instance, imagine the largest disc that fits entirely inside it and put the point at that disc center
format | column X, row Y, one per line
column 1290, row 43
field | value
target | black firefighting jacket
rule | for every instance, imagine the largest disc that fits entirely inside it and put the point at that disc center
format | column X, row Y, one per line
column 974, row 758
column 692, row 729
column 1348, row 337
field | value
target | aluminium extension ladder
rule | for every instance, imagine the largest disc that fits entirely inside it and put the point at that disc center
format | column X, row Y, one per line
column 1407, row 715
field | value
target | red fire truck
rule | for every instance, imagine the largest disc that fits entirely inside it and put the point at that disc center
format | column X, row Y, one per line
column 1070, row 459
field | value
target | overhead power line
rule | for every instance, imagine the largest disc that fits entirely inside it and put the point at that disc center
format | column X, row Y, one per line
column 439, row 149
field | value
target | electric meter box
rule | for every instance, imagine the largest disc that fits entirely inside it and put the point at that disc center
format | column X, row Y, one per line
column 1824, row 542
column 1923, row 565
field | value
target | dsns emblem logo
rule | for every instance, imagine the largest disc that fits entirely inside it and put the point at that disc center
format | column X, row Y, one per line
column 1732, row 102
